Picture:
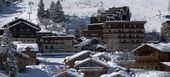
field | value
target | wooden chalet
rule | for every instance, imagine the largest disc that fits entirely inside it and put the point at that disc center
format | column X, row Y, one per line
column 23, row 30
column 70, row 60
column 102, row 56
column 91, row 67
column 70, row 73
column 150, row 56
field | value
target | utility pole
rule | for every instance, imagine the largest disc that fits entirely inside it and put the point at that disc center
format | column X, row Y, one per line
column 30, row 12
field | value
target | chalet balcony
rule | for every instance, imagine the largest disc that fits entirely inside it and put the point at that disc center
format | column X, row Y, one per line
column 146, row 58
column 91, row 68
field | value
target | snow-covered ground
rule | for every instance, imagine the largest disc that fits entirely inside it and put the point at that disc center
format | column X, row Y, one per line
column 51, row 66
column 152, row 11
column 48, row 67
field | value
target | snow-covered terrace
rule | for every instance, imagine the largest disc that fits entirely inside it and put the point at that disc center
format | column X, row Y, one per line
column 23, row 46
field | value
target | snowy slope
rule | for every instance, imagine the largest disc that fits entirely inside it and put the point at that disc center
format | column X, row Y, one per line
column 152, row 11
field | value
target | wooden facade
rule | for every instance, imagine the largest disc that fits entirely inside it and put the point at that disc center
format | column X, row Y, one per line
column 23, row 30
column 150, row 58
column 71, row 72
column 70, row 61
column 26, row 32
column 57, row 44
column 66, row 74
column 91, row 67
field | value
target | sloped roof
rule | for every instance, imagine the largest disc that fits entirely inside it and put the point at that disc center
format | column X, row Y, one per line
column 102, row 54
column 163, row 47
column 115, row 74
column 104, row 64
column 20, row 20
column 122, row 22
column 71, row 72
column 84, row 42
column 79, row 54
column 100, row 46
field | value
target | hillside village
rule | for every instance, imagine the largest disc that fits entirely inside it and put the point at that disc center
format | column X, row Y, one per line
column 110, row 44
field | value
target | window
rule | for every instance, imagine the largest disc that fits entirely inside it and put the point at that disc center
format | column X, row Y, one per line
column 109, row 26
column 52, row 41
column 28, row 40
column 109, row 31
column 134, row 26
column 21, row 29
column 124, row 26
column 46, row 47
column 28, row 29
column 15, row 29
column 51, row 47
column 32, row 40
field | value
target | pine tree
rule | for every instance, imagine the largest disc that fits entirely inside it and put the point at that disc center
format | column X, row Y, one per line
column 52, row 9
column 78, row 33
column 58, row 13
column 41, row 11
column 8, row 51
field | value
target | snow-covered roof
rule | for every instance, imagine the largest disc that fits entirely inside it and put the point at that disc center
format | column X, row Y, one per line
column 100, row 46
column 164, row 47
column 114, row 74
column 84, row 42
column 69, row 37
column 72, row 72
column 96, row 24
column 79, row 54
column 23, row 46
column 103, row 63
column 166, row 63
column 102, row 55
column 125, row 22
column 21, row 20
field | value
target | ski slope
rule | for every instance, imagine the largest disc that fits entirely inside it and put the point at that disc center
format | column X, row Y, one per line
column 152, row 11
